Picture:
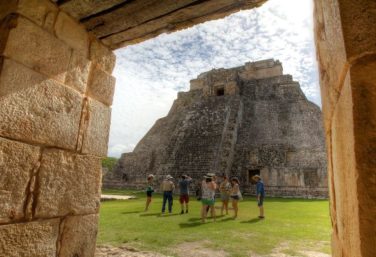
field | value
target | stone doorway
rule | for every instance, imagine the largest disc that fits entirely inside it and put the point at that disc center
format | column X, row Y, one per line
column 251, row 173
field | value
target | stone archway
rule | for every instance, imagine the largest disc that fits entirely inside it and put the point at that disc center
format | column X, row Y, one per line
column 56, row 91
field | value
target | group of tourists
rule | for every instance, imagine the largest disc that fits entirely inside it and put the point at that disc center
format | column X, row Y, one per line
column 229, row 190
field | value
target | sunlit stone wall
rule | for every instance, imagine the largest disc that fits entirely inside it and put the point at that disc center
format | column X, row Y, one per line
column 56, row 90
column 346, row 45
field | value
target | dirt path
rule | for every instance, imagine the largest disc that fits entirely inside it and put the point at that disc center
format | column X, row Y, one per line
column 123, row 251
column 116, row 197
column 192, row 249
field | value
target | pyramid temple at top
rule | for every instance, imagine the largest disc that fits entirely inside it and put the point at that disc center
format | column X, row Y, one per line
column 241, row 121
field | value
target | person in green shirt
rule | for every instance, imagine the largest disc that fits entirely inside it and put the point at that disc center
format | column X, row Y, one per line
column 149, row 191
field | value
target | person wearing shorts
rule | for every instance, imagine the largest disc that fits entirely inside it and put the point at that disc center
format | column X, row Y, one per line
column 208, row 193
column 184, row 192
column 235, row 196
column 149, row 191
column 260, row 194
column 225, row 189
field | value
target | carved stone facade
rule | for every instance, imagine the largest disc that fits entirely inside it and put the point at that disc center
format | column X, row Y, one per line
column 240, row 122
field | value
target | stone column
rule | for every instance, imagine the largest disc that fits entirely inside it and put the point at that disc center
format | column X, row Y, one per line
column 346, row 45
column 56, row 90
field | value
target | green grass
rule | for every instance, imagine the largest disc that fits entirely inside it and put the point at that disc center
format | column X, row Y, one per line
column 298, row 223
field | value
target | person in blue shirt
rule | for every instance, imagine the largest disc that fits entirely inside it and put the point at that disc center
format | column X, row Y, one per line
column 260, row 194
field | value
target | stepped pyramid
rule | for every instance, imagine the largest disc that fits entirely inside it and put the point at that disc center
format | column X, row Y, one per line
column 241, row 121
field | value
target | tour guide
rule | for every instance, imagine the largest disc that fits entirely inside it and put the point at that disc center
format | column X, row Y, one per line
column 167, row 187
column 260, row 194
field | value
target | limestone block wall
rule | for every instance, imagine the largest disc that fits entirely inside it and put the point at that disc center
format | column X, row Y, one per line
column 346, row 43
column 56, row 91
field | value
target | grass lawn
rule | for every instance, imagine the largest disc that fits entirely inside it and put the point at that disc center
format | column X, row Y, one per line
column 291, row 225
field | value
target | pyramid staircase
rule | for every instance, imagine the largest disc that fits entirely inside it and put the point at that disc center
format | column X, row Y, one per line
column 225, row 154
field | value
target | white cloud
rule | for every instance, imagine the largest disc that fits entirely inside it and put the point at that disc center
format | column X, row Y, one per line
column 150, row 74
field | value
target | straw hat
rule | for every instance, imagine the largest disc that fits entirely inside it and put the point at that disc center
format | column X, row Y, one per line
column 256, row 176
column 169, row 177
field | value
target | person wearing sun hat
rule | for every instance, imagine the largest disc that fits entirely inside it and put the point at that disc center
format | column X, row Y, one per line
column 260, row 194
column 167, row 187
column 149, row 191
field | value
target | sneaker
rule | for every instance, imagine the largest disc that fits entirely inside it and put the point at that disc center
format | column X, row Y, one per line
column 186, row 211
column 261, row 217
column 182, row 212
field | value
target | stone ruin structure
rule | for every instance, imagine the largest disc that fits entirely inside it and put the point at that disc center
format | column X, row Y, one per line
column 55, row 118
column 241, row 122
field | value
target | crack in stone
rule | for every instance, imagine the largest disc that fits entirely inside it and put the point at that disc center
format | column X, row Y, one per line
column 34, row 189
column 30, row 188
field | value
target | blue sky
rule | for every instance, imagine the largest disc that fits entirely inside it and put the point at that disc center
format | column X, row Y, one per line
column 150, row 74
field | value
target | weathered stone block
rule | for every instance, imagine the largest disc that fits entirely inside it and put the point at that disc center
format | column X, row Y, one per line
column 68, row 184
column 37, row 10
column 80, row 9
column 79, row 236
column 331, row 54
column 363, row 85
column 15, row 77
column 102, row 55
column 359, row 38
column 345, row 172
column 72, row 33
column 101, row 86
column 17, row 162
column 78, row 72
column 36, row 109
column 96, row 136
column 49, row 22
column 38, row 49
column 7, row 8
column 33, row 239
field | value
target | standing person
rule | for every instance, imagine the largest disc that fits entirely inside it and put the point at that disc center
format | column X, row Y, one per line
column 214, row 179
column 235, row 195
column 208, row 188
column 167, row 187
column 149, row 191
column 184, row 192
column 260, row 194
column 225, row 190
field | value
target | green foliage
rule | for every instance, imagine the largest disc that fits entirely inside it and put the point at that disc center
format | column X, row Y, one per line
column 290, row 226
column 109, row 163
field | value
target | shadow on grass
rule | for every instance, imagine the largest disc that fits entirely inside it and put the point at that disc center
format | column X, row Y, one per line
column 254, row 220
column 227, row 219
column 167, row 215
column 191, row 224
column 196, row 219
column 150, row 214
column 130, row 212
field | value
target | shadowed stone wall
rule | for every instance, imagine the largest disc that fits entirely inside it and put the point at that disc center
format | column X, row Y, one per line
column 55, row 93
column 235, row 122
